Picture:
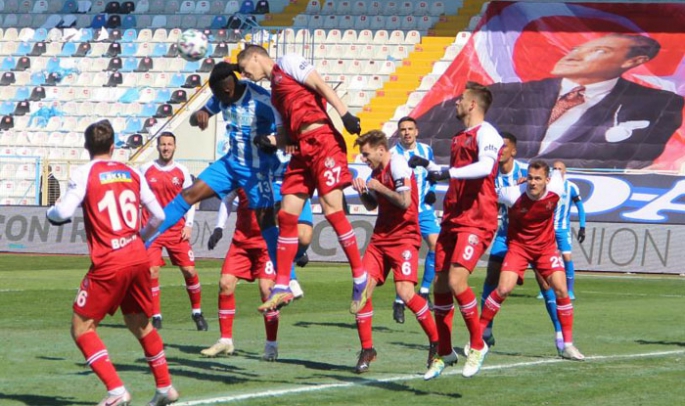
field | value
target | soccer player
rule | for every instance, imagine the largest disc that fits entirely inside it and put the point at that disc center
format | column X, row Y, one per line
column 248, row 113
column 167, row 178
column 395, row 241
column 409, row 147
column 532, row 240
column 469, row 223
column 110, row 193
column 300, row 95
column 247, row 259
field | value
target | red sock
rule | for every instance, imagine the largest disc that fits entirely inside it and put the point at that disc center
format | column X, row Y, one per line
column 419, row 306
column 287, row 246
column 443, row 307
column 154, row 355
column 96, row 355
column 565, row 314
column 156, row 301
column 348, row 241
column 271, row 325
column 490, row 309
column 468, row 306
column 226, row 315
column 364, row 319
column 194, row 291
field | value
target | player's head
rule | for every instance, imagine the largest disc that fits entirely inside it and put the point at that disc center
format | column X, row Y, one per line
column 475, row 101
column 560, row 166
column 408, row 131
column 99, row 138
column 538, row 178
column 606, row 58
column 166, row 146
column 373, row 146
column 224, row 83
column 509, row 147
column 251, row 62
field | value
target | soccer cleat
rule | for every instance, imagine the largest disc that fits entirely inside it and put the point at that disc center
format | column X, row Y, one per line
column 200, row 322
column 162, row 399
column 359, row 296
column 270, row 352
column 278, row 298
column 295, row 287
column 219, row 348
column 539, row 296
column 571, row 295
column 427, row 296
column 302, row 261
column 398, row 312
column 365, row 358
column 157, row 322
column 474, row 360
column 572, row 353
column 118, row 400
column 439, row 363
column 432, row 353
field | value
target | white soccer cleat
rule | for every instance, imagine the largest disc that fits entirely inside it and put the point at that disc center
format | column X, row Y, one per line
column 439, row 363
column 474, row 360
column 162, row 399
column 295, row 287
column 118, row 400
column 572, row 353
column 219, row 348
column 270, row 352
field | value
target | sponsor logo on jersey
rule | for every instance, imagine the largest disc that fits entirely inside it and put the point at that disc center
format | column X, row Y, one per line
column 406, row 255
column 329, row 162
column 153, row 180
column 115, row 177
column 473, row 239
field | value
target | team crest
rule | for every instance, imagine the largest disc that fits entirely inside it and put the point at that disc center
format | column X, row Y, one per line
column 549, row 206
column 473, row 239
column 406, row 255
column 176, row 181
column 329, row 163
column 278, row 78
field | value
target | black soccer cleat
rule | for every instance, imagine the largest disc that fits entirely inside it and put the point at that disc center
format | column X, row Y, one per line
column 302, row 261
column 365, row 358
column 157, row 323
column 200, row 322
column 398, row 312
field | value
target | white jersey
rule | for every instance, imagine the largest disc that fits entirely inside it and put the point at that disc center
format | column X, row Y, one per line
column 562, row 216
column 424, row 151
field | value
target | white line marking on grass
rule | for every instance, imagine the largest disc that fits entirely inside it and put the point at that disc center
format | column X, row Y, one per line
column 398, row 378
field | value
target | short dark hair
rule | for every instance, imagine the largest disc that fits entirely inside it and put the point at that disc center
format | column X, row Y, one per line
column 508, row 136
column 406, row 118
column 99, row 137
column 642, row 45
column 221, row 72
column 481, row 93
column 374, row 138
column 250, row 50
column 166, row 134
column 538, row 164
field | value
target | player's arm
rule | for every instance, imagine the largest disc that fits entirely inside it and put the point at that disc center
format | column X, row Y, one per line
column 200, row 118
column 578, row 202
column 401, row 176
column 62, row 212
column 149, row 201
column 225, row 209
column 190, row 215
column 365, row 195
column 489, row 144
column 508, row 195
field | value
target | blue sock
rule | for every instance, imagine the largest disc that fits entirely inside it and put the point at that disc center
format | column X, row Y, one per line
column 293, row 276
column 428, row 270
column 570, row 275
column 173, row 212
column 551, row 305
column 487, row 289
column 270, row 235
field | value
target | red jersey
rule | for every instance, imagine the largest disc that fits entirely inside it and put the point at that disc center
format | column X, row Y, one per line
column 394, row 223
column 247, row 232
column 166, row 182
column 297, row 104
column 472, row 203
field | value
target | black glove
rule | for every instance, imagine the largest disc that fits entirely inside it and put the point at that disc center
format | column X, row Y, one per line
column 216, row 236
column 430, row 198
column 353, row 124
column 57, row 223
column 434, row 176
column 416, row 160
column 581, row 235
column 303, row 260
column 263, row 142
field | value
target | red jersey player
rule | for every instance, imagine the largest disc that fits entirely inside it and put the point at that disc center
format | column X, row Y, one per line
column 247, row 259
column 167, row 179
column 531, row 240
column 395, row 241
column 110, row 193
column 320, row 162
column 469, row 222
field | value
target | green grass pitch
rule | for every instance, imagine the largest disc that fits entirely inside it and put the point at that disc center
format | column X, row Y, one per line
column 631, row 328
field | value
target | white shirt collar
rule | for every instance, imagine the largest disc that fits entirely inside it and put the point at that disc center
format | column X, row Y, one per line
column 592, row 91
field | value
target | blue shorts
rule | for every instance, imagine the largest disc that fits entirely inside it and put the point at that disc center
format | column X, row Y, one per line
column 307, row 216
column 225, row 175
column 564, row 240
column 499, row 246
column 428, row 223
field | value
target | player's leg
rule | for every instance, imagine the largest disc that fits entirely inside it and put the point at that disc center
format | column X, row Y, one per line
column 227, row 284
column 497, row 253
column 507, row 281
column 181, row 255
column 156, row 297
column 375, row 263
column 551, row 307
column 556, row 277
column 429, row 232
column 564, row 243
column 305, row 232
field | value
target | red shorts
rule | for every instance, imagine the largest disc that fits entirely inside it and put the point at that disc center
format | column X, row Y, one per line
column 545, row 263
column 461, row 247
column 103, row 290
column 180, row 252
column 321, row 164
column 248, row 263
column 403, row 259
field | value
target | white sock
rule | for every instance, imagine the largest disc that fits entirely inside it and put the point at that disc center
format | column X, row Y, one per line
column 197, row 311
column 360, row 279
column 226, row 340
column 117, row 391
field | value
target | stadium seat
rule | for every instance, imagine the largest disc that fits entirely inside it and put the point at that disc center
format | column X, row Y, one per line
column 362, row 22
column 358, row 8
column 377, row 23
column 232, row 7
column 202, row 7
column 156, row 6
column 343, row 8
column 406, row 8
column 374, row 8
column 412, row 37
column 380, row 37
column 409, row 23
column 159, row 21
column 218, row 22
column 127, row 7
column 129, row 22
column 172, row 7
column 428, row 81
column 437, row 9
column 247, row 7
column 393, row 22
column 391, row 8
column 328, row 8
column 186, row 7
column 422, row 23
column 396, row 37
column 112, row 7
column 261, row 7
column 142, row 7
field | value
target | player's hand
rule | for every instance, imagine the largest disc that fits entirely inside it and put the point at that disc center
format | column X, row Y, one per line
column 416, row 160
column 216, row 236
column 265, row 143
column 434, row 176
column 521, row 180
column 57, row 223
column 202, row 119
column 373, row 184
column 352, row 123
column 581, row 235
column 359, row 184
column 186, row 233
column 430, row 198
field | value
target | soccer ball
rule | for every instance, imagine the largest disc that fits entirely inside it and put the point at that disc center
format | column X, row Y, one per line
column 192, row 45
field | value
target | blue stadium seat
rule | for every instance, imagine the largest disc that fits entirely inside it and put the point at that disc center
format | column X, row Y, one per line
column 191, row 66
column 129, row 21
column 86, row 35
column 129, row 49
column 53, row 65
column 177, row 80
column 159, row 50
column 218, row 22
column 70, row 6
column 247, row 7
column 133, row 125
column 8, row 63
column 7, row 108
column 98, row 21
column 37, row 79
column 148, row 110
column 23, row 48
column 22, row 93
column 41, row 34
column 129, row 65
column 129, row 35
column 162, row 95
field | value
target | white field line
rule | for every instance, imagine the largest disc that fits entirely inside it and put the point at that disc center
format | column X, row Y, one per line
column 411, row 377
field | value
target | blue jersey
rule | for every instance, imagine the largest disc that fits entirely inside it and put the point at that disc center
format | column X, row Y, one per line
column 280, row 165
column 421, row 173
column 562, row 215
column 247, row 117
column 519, row 171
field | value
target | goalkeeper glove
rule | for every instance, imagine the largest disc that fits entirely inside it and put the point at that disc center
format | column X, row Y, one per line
column 263, row 142
column 434, row 176
column 430, row 198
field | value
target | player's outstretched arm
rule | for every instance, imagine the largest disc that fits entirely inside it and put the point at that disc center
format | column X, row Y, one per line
column 316, row 82
column 578, row 202
column 62, row 212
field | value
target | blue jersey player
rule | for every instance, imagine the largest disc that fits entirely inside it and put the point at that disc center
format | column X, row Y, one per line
column 247, row 111
column 428, row 222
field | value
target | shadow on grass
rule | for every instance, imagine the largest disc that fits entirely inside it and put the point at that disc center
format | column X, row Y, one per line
column 32, row 400
column 44, row 358
column 647, row 342
column 320, row 366
column 351, row 326
column 395, row 387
